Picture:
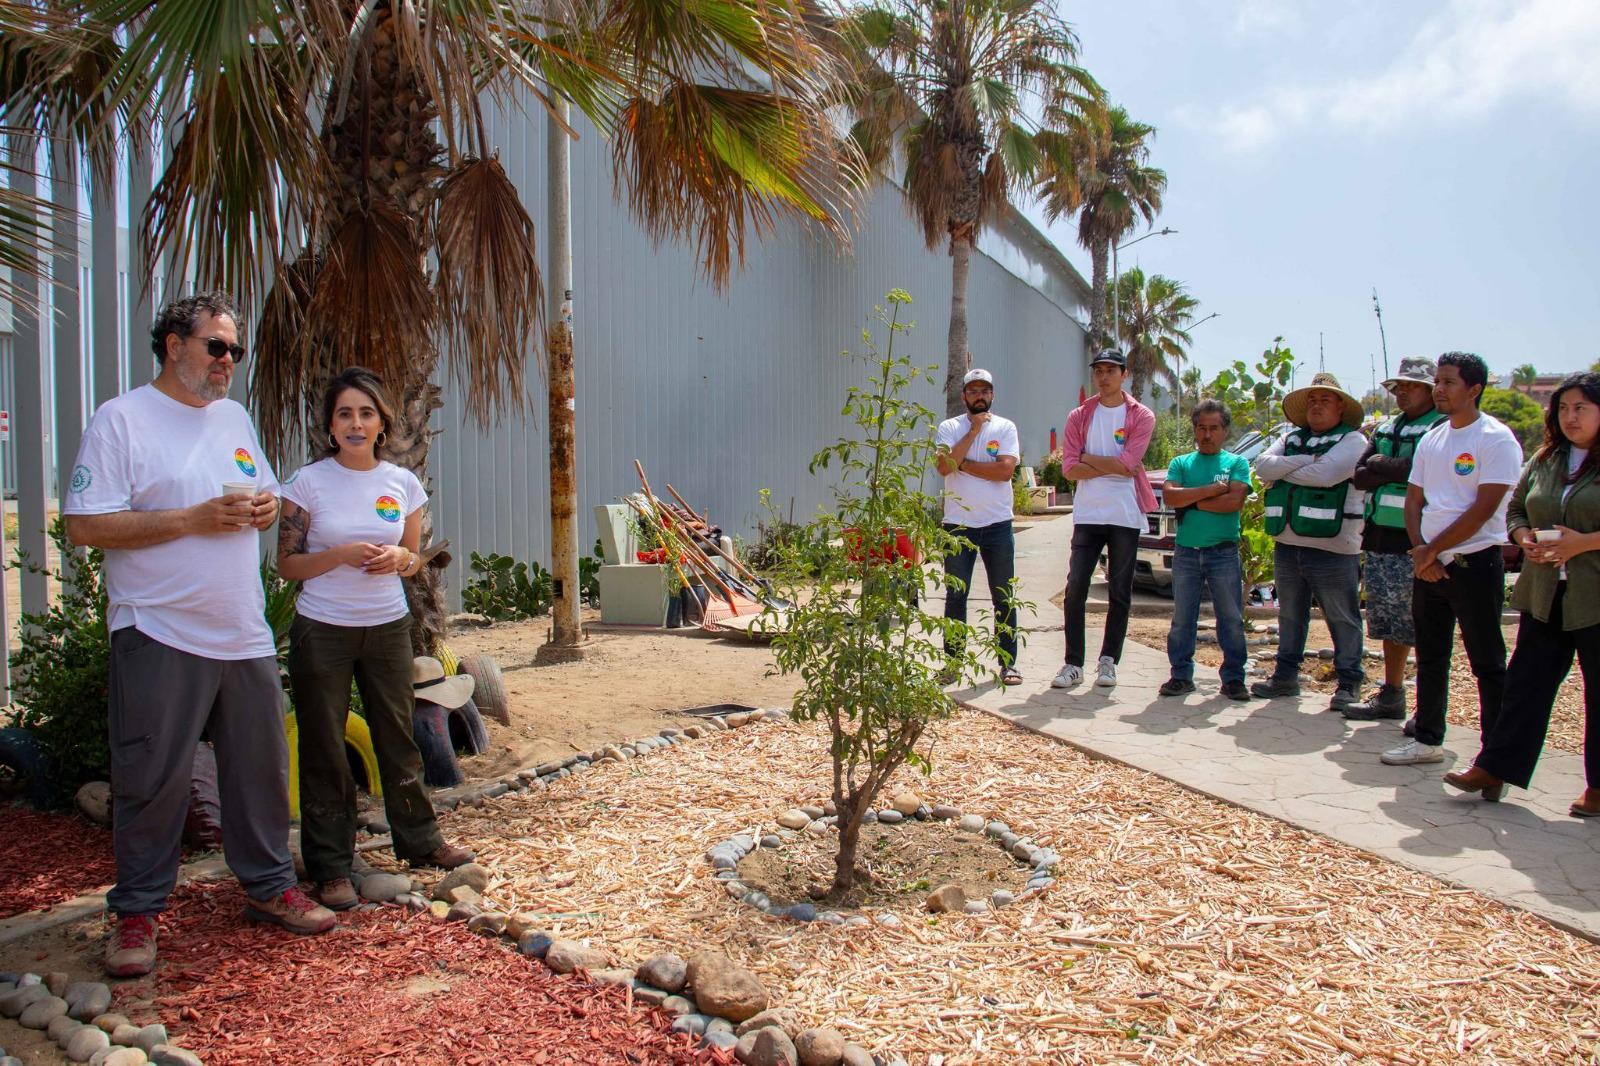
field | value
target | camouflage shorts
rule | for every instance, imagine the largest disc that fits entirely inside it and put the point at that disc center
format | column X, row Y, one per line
column 1388, row 580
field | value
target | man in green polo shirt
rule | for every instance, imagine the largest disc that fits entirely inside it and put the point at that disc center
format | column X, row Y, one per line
column 1207, row 487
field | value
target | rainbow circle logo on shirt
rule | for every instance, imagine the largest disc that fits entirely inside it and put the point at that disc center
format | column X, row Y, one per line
column 993, row 448
column 1120, row 435
column 1465, row 464
column 245, row 462
column 388, row 508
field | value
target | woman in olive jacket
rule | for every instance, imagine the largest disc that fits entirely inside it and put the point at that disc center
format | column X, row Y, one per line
column 1558, row 593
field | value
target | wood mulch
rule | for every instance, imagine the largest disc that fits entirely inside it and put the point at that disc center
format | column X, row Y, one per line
column 387, row 986
column 1181, row 929
column 50, row 857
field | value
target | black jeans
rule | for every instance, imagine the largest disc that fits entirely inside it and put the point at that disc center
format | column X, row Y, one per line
column 1472, row 594
column 1088, row 541
column 997, row 544
column 1537, row 668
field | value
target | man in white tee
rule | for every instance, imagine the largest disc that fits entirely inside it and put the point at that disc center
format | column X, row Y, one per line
column 1461, row 473
column 172, row 483
column 978, row 452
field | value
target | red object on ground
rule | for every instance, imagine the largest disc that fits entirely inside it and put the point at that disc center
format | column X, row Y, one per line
column 901, row 548
column 49, row 859
column 385, row 986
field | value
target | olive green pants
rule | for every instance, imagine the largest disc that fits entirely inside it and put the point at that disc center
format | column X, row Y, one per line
column 322, row 660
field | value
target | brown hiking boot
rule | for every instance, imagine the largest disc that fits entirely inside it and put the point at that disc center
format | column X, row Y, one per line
column 445, row 857
column 294, row 910
column 338, row 894
column 131, row 951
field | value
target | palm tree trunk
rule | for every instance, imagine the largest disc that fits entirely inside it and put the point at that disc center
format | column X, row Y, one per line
column 960, row 357
column 1099, row 256
column 408, row 447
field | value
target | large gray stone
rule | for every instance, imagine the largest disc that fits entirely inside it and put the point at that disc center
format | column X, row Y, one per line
column 40, row 1013
column 126, row 1056
column 724, row 988
column 383, row 888
column 94, row 802
column 820, row 1047
column 82, row 1044
column 167, row 1055
column 60, row 1028
column 566, row 956
column 776, row 1016
column 13, row 1003
column 665, row 970
column 471, row 874
column 87, row 1000
column 856, row 1055
column 767, row 1047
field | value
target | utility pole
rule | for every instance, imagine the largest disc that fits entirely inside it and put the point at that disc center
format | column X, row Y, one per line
column 1322, row 360
column 565, row 623
column 1377, row 309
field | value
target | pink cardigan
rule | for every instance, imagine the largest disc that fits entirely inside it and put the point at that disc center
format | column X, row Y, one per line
column 1140, row 424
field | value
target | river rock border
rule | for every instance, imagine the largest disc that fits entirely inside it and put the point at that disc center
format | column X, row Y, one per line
column 76, row 1015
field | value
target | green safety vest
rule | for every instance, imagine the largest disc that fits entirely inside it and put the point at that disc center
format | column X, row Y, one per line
column 1396, row 437
column 1306, row 509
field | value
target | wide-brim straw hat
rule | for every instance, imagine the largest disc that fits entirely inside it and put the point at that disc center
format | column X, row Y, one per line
column 1294, row 404
column 428, row 682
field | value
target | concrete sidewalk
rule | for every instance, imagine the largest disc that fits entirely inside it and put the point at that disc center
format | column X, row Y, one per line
column 1297, row 761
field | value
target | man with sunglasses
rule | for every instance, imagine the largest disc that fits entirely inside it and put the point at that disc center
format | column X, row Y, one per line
column 172, row 483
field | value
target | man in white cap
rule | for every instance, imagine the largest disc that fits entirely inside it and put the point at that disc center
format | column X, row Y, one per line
column 978, row 452
column 1315, row 513
column 1382, row 473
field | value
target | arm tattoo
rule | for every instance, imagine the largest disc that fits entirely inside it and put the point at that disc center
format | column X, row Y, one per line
column 293, row 526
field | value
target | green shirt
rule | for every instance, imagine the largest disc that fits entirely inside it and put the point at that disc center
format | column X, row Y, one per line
column 1206, row 529
column 1540, row 501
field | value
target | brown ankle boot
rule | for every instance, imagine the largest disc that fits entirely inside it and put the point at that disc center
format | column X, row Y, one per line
column 1588, row 805
column 445, row 857
column 1474, row 779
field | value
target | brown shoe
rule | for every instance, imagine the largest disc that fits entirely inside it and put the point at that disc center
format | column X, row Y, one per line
column 1474, row 779
column 338, row 894
column 294, row 910
column 131, row 951
column 1588, row 805
column 445, row 857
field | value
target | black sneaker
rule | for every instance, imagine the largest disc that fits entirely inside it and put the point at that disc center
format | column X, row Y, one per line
column 1174, row 686
column 1276, row 687
column 1235, row 690
column 1410, row 728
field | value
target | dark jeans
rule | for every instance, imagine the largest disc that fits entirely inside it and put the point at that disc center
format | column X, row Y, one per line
column 1218, row 569
column 997, row 544
column 1472, row 594
column 1088, row 541
column 322, row 660
column 1537, row 668
column 1335, row 581
column 161, row 700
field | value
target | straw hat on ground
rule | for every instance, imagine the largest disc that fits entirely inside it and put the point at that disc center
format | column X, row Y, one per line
column 428, row 682
column 1294, row 404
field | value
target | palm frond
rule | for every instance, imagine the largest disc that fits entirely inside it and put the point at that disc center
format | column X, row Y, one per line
column 291, row 363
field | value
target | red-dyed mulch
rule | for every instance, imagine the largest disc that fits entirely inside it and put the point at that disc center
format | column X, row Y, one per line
column 47, row 859
column 386, row 986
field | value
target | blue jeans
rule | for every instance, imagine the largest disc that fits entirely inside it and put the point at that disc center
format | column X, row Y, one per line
column 1217, row 569
column 1335, row 581
column 997, row 544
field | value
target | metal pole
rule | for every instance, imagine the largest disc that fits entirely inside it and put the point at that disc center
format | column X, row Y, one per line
column 32, row 415
column 565, row 623
column 1116, row 300
column 106, row 313
column 67, row 279
column 1378, row 310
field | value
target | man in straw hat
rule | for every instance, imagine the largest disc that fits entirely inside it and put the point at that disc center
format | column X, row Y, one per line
column 1315, row 512
column 1382, row 473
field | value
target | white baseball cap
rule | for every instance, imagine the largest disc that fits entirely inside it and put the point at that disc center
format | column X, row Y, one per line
column 976, row 374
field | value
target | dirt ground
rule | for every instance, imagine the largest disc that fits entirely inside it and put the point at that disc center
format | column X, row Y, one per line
column 1566, row 721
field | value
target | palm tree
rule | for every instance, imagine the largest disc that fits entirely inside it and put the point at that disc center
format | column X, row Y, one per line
column 333, row 169
column 1154, row 312
column 1191, row 382
column 954, row 82
column 1524, row 376
column 1102, row 174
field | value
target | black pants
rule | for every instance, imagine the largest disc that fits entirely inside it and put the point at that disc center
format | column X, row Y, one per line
column 997, row 544
column 1537, row 668
column 1472, row 594
column 1088, row 541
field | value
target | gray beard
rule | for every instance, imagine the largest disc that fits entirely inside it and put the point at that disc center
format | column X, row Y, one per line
column 201, row 385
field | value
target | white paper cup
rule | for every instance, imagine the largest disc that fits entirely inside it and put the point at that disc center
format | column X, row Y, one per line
column 1547, row 536
column 233, row 488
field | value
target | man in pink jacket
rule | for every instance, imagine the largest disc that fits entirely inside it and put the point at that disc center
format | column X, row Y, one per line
column 1103, row 451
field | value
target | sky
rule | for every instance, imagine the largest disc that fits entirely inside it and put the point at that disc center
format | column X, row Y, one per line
column 1442, row 151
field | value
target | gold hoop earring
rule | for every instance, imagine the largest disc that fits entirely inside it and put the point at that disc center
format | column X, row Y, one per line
column 382, row 436
column 333, row 442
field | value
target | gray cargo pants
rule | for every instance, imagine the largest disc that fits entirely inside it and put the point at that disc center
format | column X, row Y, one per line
column 161, row 700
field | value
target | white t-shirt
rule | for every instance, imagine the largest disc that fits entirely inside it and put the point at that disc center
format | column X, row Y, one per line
column 1107, row 500
column 145, row 451
column 347, row 505
column 970, row 500
column 1450, row 464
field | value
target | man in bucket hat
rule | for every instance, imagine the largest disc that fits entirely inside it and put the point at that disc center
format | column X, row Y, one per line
column 1383, row 472
column 1315, row 513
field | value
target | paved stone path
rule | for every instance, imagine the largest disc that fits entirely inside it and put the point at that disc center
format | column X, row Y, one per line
column 1297, row 761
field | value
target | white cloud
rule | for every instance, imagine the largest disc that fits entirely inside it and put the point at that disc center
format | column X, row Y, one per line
column 1473, row 57
column 1257, row 17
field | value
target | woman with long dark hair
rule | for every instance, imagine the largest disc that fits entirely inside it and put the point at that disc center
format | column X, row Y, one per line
column 1554, row 516
column 349, row 531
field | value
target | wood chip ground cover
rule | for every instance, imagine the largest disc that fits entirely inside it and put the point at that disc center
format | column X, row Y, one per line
column 1180, row 929
column 47, row 858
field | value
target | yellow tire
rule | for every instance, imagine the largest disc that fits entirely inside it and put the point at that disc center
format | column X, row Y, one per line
column 358, row 748
column 447, row 659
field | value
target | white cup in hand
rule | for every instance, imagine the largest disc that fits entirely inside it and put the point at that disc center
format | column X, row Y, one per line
column 1546, row 536
column 235, row 488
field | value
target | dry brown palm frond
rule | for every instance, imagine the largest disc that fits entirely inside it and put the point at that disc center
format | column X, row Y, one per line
column 371, row 298
column 282, row 373
column 490, row 290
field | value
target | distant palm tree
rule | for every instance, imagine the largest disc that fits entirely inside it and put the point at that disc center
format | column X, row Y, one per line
column 954, row 82
column 1154, row 312
column 1103, row 175
column 1191, row 382
column 1524, row 376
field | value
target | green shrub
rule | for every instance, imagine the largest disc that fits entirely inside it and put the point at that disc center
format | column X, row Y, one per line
column 1050, row 473
column 507, row 590
column 589, row 575
column 1173, row 436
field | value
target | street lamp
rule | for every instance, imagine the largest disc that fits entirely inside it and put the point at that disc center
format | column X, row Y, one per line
column 1116, row 279
column 1202, row 322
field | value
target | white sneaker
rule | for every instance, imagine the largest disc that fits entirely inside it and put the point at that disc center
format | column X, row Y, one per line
column 1070, row 675
column 1413, row 752
column 1108, row 673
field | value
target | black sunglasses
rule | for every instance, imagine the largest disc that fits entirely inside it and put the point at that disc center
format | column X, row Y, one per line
column 216, row 347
